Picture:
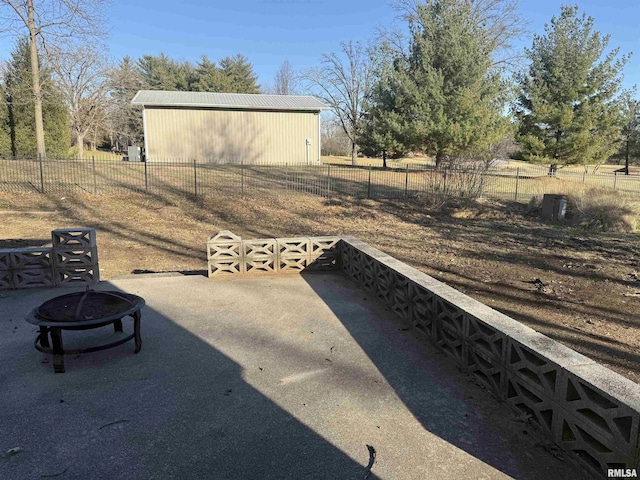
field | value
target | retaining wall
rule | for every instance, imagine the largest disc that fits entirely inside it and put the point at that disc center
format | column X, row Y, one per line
column 588, row 410
column 72, row 259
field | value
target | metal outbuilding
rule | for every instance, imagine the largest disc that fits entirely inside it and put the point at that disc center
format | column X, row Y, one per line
column 230, row 127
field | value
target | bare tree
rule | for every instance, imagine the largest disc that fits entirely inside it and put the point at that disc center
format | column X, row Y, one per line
column 81, row 76
column 49, row 20
column 342, row 82
column 334, row 140
column 286, row 80
column 125, row 120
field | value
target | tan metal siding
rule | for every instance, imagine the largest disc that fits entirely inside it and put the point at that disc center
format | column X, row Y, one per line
column 231, row 135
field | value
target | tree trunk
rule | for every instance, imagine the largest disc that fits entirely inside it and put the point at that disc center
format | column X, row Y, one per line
column 80, row 145
column 553, row 168
column 626, row 160
column 384, row 159
column 12, row 128
column 35, row 75
column 440, row 157
column 354, row 153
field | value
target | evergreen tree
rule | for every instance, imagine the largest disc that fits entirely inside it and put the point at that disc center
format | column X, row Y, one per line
column 239, row 75
column 210, row 78
column 383, row 128
column 570, row 107
column 5, row 138
column 630, row 139
column 233, row 75
column 163, row 73
column 19, row 123
column 206, row 74
column 447, row 99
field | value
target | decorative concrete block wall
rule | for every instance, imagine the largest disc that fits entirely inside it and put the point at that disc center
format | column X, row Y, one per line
column 229, row 254
column 73, row 259
column 588, row 410
column 75, row 256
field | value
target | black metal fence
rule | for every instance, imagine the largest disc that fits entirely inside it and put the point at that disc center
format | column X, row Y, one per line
column 201, row 179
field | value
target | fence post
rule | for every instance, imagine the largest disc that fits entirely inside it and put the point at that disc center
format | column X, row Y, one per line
column 615, row 180
column 41, row 173
column 584, row 176
column 444, row 184
column 369, row 184
column 195, row 178
column 406, row 181
column 328, row 181
column 95, row 182
column 517, row 182
column 242, row 177
column 146, row 179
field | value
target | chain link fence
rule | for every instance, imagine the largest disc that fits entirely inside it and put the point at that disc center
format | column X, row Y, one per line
column 328, row 180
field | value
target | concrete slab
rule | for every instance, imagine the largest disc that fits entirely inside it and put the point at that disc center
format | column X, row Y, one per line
column 274, row 377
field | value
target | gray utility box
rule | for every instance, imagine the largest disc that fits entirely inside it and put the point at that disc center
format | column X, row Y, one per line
column 554, row 206
column 135, row 154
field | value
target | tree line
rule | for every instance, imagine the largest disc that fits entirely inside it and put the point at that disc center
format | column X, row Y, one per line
column 454, row 88
column 60, row 89
column 87, row 101
column 448, row 83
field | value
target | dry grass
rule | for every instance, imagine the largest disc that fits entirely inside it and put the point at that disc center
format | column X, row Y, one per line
column 525, row 167
column 597, row 210
column 377, row 162
column 405, row 181
column 577, row 169
column 494, row 253
column 94, row 154
column 605, row 211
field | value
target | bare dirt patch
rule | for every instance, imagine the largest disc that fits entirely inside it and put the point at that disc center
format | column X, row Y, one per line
column 580, row 289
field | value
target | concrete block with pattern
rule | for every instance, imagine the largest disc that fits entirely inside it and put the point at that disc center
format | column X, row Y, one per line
column 62, row 238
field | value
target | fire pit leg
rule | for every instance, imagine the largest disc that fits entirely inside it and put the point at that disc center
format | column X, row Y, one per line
column 117, row 326
column 58, row 351
column 43, row 337
column 136, row 330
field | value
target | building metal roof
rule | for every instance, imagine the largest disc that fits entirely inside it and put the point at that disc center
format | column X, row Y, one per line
column 242, row 101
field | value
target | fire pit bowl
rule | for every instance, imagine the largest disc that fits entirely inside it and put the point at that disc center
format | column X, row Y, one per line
column 84, row 311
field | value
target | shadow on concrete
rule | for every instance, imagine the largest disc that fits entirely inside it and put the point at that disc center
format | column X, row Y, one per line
column 179, row 409
column 445, row 402
column 202, row 273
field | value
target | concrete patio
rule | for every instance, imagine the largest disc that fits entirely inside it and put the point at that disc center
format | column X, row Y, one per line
column 270, row 377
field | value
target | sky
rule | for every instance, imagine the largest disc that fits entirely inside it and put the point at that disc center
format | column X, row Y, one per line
column 300, row 31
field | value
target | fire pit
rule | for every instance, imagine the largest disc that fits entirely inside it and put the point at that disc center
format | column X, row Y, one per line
column 84, row 311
